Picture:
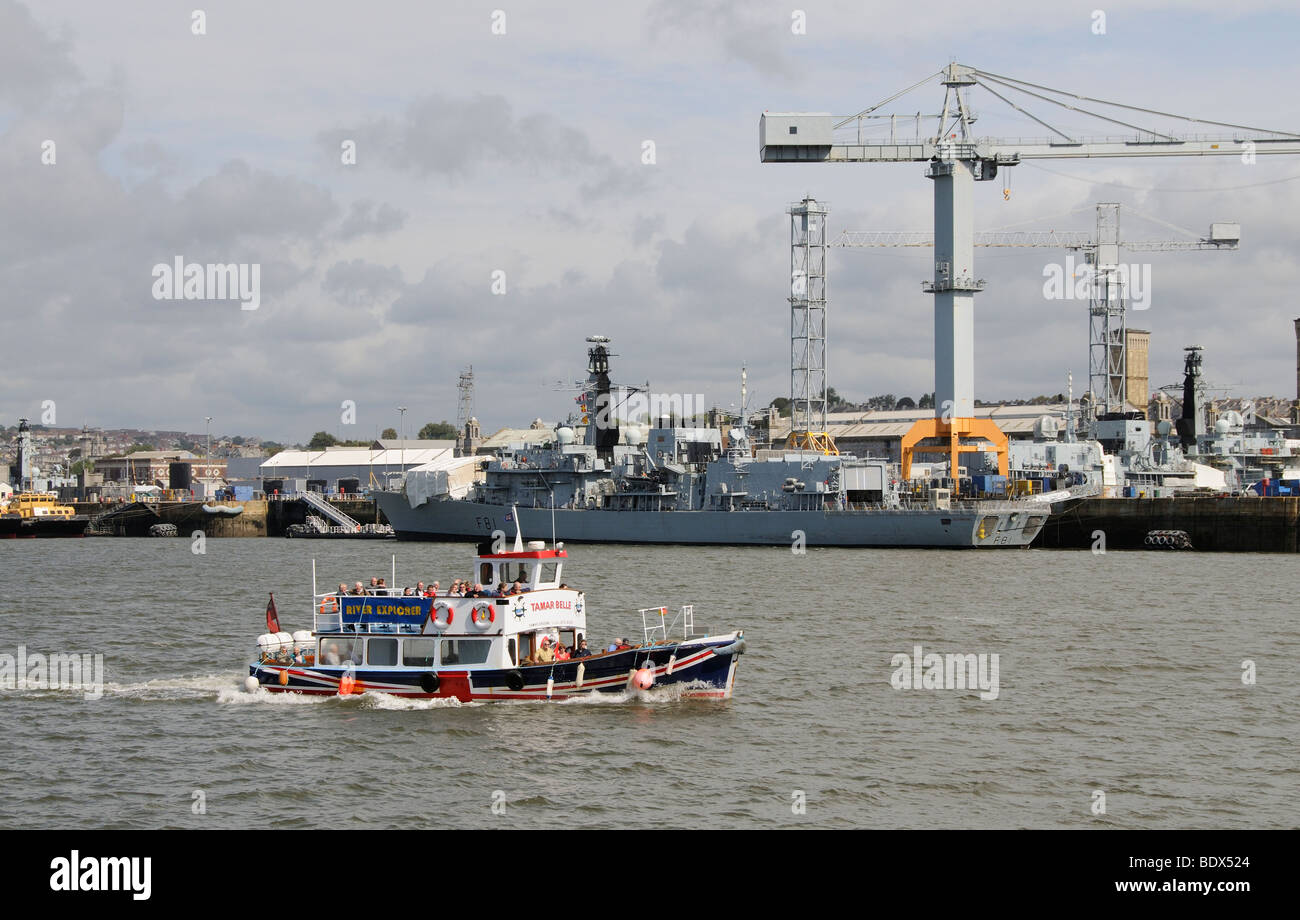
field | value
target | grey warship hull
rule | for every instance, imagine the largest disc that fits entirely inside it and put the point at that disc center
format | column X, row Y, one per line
column 973, row 525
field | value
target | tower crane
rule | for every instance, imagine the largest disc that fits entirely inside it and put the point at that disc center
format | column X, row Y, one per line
column 957, row 159
column 1108, row 292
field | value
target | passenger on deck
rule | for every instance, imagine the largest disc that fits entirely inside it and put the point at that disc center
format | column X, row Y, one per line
column 544, row 654
column 561, row 653
column 419, row 588
column 582, row 651
column 407, row 592
column 501, row 590
column 357, row 590
column 564, row 586
column 374, row 583
column 433, row 589
column 343, row 588
column 477, row 591
column 456, row 590
column 518, row 586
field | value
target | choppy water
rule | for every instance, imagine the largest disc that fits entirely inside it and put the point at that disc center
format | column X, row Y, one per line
column 1119, row 673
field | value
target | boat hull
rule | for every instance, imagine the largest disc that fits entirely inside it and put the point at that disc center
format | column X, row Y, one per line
column 922, row 528
column 702, row 670
column 43, row 526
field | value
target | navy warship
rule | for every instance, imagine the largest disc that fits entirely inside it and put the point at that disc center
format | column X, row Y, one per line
column 622, row 483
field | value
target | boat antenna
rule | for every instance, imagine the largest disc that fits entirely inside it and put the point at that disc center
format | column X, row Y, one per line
column 552, row 519
column 519, row 535
column 394, row 572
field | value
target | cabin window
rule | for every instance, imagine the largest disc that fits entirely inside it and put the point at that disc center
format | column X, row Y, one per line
column 465, row 651
column 485, row 574
column 566, row 639
column 510, row 648
column 337, row 650
column 526, row 645
column 548, row 572
column 381, row 652
column 418, row 653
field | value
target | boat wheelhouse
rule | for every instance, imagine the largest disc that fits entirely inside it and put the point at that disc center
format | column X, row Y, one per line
column 520, row 646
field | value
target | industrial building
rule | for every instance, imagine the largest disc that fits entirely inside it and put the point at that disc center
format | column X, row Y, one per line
column 348, row 469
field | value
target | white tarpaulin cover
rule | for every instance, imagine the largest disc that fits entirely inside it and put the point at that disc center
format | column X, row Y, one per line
column 444, row 477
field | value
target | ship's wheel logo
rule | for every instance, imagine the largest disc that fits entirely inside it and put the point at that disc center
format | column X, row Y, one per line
column 520, row 609
column 577, row 606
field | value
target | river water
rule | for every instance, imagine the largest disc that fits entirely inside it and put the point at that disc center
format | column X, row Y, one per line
column 1120, row 697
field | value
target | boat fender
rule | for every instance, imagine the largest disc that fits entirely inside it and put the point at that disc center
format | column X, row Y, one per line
column 284, row 678
column 347, row 684
column 582, row 669
column 515, row 680
column 550, row 686
column 251, row 684
column 735, row 648
column 672, row 662
column 429, row 682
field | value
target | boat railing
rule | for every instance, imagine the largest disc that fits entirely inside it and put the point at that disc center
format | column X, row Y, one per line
column 659, row 631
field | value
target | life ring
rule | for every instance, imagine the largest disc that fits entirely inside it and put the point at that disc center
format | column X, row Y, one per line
column 483, row 616
column 441, row 624
column 329, row 604
column 429, row 682
column 515, row 680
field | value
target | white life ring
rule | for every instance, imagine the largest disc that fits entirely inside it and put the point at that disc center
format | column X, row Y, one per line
column 444, row 607
column 483, row 615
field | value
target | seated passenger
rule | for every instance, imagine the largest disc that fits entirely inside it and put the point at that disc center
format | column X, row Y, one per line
column 374, row 582
column 357, row 590
column 501, row 590
column 582, row 651
column 562, row 653
column 298, row 656
column 419, row 588
column 544, row 654
column 434, row 590
column 343, row 588
column 518, row 586
column 331, row 655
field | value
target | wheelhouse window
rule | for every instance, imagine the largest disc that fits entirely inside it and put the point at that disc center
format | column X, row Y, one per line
column 465, row 651
column 381, row 652
column 418, row 653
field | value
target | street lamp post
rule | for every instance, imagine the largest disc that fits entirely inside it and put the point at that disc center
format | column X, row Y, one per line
column 207, row 449
column 401, row 433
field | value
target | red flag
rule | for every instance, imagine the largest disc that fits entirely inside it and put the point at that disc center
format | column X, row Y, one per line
column 272, row 618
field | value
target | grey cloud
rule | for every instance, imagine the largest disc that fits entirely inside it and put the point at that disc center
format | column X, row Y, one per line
column 458, row 137
column 360, row 282
column 33, row 64
column 366, row 219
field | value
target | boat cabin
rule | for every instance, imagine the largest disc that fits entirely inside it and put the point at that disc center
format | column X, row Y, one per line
column 446, row 631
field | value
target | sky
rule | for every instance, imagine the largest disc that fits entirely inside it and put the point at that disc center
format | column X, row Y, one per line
column 505, row 141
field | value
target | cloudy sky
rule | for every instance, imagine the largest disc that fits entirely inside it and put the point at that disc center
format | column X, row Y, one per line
column 522, row 153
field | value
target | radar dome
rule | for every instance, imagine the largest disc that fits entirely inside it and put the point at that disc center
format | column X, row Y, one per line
column 633, row 435
column 564, row 436
column 1047, row 427
column 1222, row 426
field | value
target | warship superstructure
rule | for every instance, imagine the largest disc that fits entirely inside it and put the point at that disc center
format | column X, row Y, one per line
column 668, row 483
